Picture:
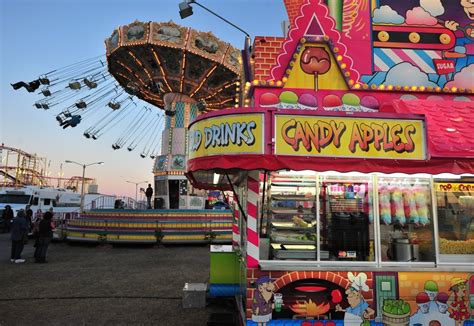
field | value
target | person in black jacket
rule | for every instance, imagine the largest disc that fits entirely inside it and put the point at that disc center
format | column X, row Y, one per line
column 19, row 232
column 45, row 235
column 7, row 217
column 149, row 194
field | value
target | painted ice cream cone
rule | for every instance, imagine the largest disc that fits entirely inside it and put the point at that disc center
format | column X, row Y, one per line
column 288, row 100
column 332, row 103
column 269, row 100
column 307, row 102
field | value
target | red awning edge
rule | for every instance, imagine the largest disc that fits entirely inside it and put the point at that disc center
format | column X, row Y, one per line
column 282, row 162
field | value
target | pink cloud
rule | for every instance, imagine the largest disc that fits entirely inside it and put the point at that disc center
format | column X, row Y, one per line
column 463, row 79
column 419, row 16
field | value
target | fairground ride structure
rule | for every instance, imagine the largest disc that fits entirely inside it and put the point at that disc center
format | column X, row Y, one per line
column 19, row 168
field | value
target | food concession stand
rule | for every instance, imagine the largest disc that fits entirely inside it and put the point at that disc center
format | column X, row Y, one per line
column 354, row 198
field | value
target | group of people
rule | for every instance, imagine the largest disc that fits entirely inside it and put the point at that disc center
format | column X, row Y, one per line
column 20, row 226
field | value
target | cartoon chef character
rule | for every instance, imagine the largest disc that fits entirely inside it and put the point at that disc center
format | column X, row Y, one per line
column 262, row 304
column 358, row 306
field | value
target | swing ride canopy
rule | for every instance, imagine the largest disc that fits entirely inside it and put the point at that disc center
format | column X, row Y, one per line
column 151, row 59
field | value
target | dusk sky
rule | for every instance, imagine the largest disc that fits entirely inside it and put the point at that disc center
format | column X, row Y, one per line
column 38, row 36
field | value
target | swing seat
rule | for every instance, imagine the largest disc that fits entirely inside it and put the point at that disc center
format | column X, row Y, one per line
column 114, row 106
column 90, row 83
column 81, row 104
column 44, row 81
column 75, row 85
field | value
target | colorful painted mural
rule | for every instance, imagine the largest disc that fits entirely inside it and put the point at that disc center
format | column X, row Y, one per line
column 432, row 41
column 359, row 298
column 332, row 45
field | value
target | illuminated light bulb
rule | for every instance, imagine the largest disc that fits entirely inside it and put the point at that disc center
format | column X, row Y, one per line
column 236, row 100
column 247, row 84
column 284, row 79
column 373, row 86
column 271, row 82
column 406, row 88
column 255, row 82
column 422, row 88
column 357, row 86
column 398, row 87
column 454, row 89
column 263, row 82
column 414, row 88
column 246, row 106
column 446, row 89
column 278, row 83
column 365, row 86
column 236, row 106
column 438, row 89
column 237, row 89
column 325, row 37
column 382, row 87
column 339, row 58
column 351, row 82
column 247, row 100
column 390, row 87
column 343, row 66
column 237, row 83
column 430, row 88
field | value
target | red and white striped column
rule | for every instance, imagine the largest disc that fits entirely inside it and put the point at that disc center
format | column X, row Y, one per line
column 253, row 185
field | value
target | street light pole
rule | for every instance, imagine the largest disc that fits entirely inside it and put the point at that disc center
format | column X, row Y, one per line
column 136, row 189
column 81, row 207
column 185, row 10
column 82, row 188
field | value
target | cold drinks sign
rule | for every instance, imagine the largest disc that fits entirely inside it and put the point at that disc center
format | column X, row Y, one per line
column 308, row 135
column 230, row 134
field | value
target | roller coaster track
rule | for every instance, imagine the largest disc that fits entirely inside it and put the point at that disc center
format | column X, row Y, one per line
column 19, row 168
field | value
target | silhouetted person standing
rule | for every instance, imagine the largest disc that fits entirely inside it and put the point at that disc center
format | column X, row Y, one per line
column 7, row 217
column 149, row 194
column 19, row 231
column 45, row 235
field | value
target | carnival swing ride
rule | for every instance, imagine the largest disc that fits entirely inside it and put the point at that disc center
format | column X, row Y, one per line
column 148, row 65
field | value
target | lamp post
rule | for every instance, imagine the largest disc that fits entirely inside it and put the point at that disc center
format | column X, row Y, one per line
column 83, row 179
column 136, row 189
column 185, row 10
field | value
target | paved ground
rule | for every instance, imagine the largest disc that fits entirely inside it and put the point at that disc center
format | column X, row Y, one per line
column 102, row 285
